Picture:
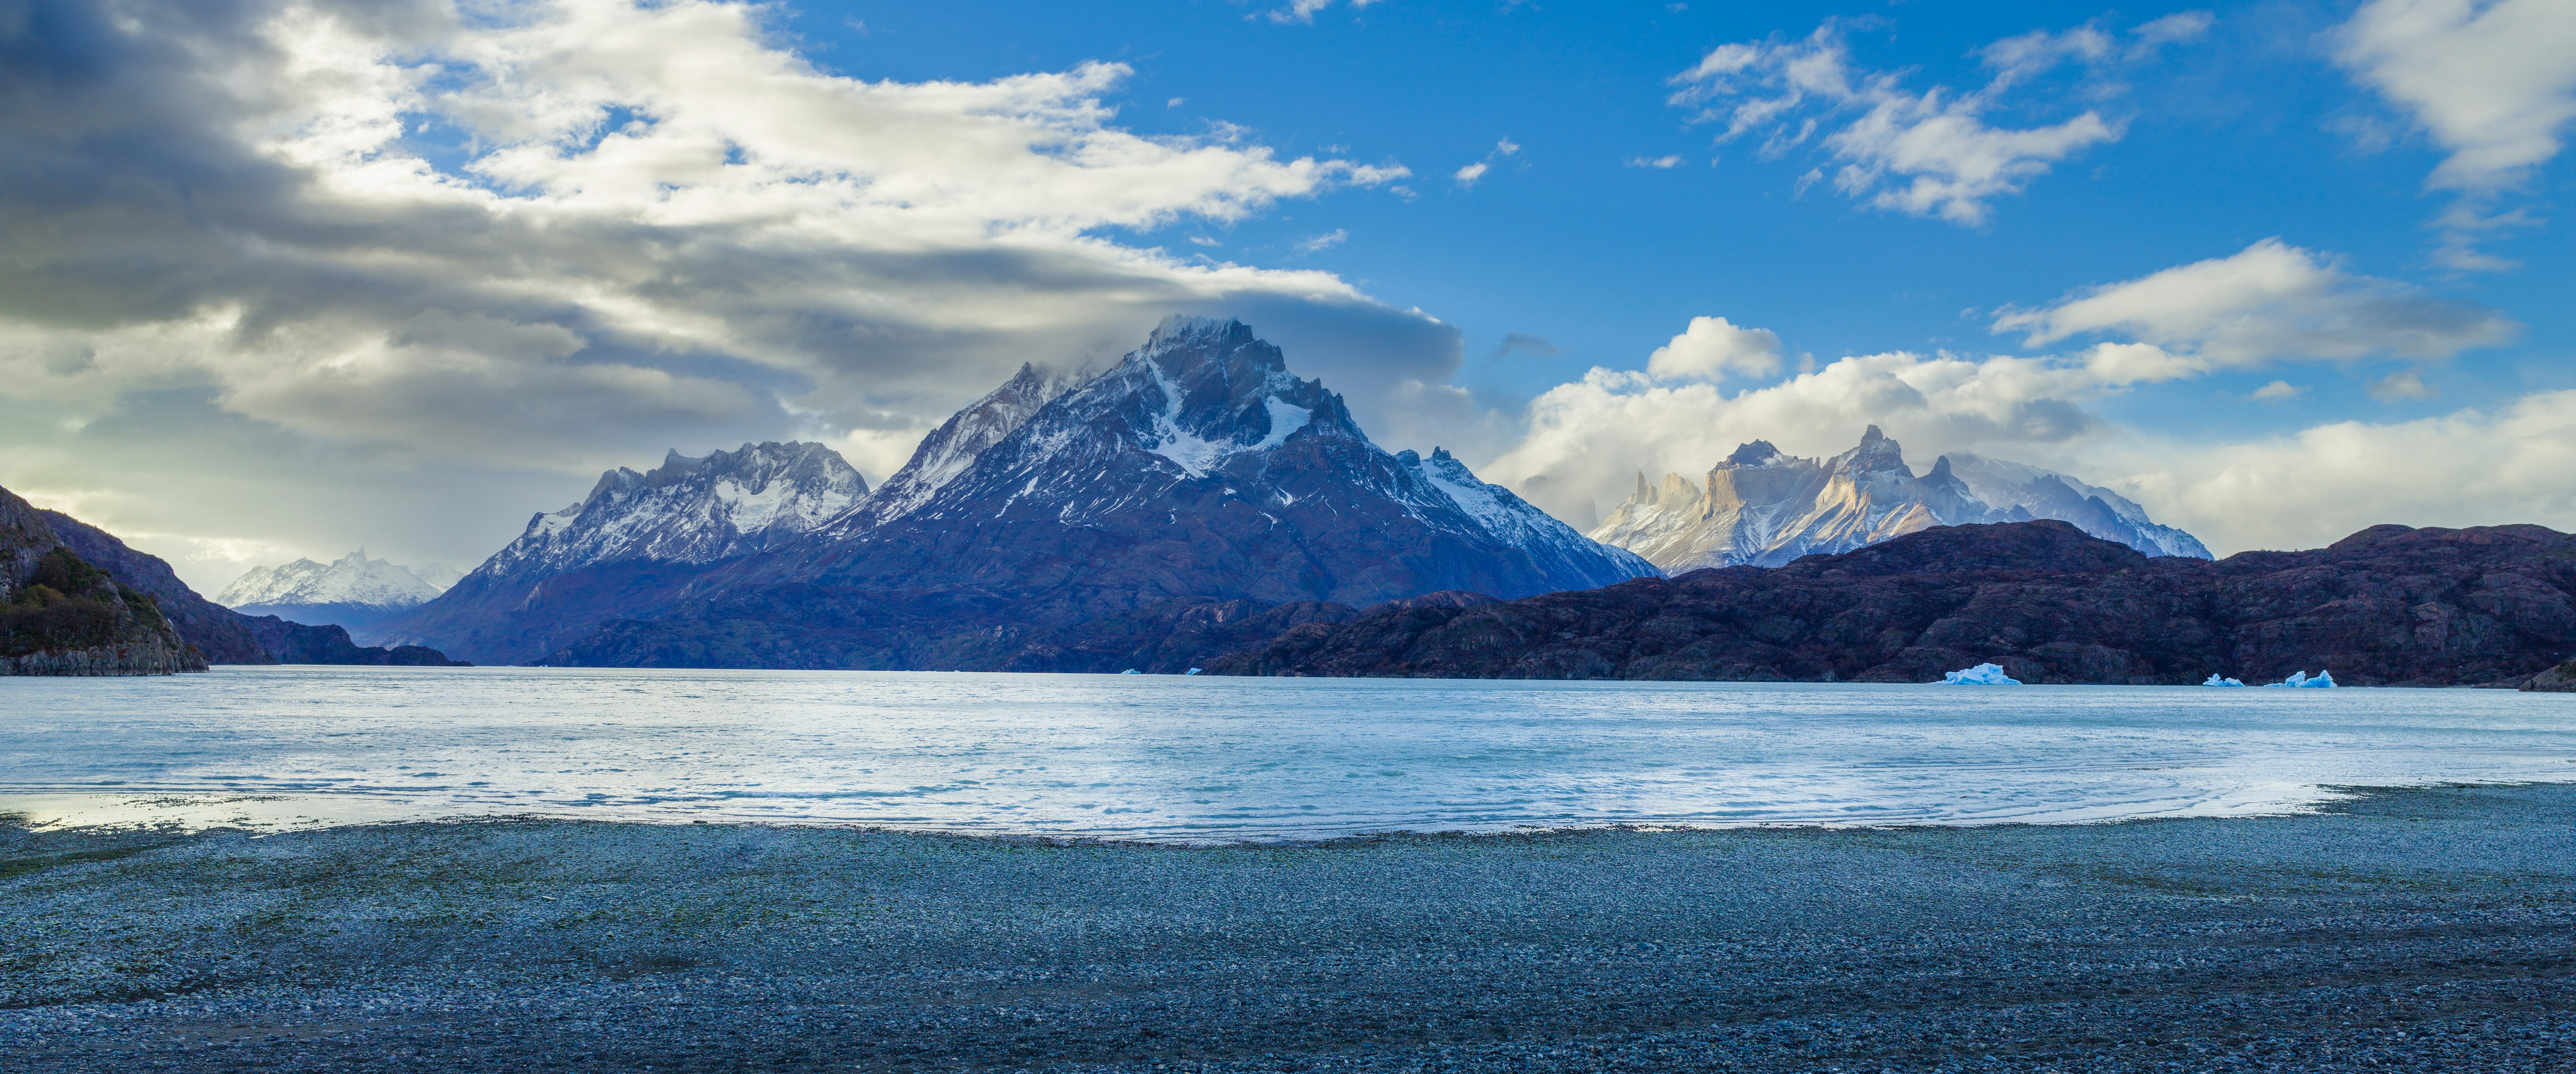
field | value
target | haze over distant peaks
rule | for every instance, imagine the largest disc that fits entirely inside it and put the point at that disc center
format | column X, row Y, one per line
column 1764, row 508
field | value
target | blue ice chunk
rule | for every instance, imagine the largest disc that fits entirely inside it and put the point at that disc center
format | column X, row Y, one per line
column 2215, row 679
column 1980, row 675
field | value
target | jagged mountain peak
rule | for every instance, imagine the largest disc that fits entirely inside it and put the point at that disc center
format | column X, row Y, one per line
column 352, row 580
column 690, row 509
column 1762, row 507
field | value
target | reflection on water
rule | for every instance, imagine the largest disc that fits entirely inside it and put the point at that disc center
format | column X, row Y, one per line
column 1203, row 758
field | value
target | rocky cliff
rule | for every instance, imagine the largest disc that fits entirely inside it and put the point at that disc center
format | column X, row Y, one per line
column 1197, row 475
column 1765, row 508
column 61, row 615
column 2389, row 606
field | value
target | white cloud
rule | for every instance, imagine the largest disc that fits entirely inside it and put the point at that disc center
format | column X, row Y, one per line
column 1655, row 162
column 1711, row 348
column 1468, row 175
column 2313, row 487
column 1930, row 153
column 1585, row 441
column 1325, row 241
column 2400, row 387
column 567, row 234
column 1304, row 10
column 2268, row 301
column 2493, row 83
column 2276, row 391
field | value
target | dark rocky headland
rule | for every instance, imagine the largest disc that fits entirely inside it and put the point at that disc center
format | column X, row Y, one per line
column 2414, row 930
column 2389, row 606
column 75, row 600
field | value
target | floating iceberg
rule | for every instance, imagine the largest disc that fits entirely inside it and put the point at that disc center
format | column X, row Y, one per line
column 2300, row 680
column 1980, row 675
column 2215, row 679
column 1131, row 671
column 1192, row 671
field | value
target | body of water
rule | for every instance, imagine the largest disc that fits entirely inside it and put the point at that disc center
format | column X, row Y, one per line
column 1209, row 759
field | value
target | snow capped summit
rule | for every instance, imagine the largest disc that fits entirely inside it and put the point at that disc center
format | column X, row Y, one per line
column 1199, row 466
column 350, row 590
column 1765, row 508
column 351, row 579
column 688, row 510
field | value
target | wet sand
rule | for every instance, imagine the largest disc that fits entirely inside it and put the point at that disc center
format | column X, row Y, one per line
column 2420, row 929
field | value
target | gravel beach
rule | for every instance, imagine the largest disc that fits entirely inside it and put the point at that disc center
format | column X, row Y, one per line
column 2411, row 930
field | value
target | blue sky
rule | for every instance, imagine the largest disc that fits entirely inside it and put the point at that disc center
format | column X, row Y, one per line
column 2245, row 133
column 297, row 275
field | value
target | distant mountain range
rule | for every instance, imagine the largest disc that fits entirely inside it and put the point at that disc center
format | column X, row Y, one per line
column 1062, row 522
column 352, row 591
column 1764, row 508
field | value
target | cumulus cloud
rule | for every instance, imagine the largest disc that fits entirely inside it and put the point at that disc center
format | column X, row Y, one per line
column 1667, row 161
column 2277, row 391
column 1711, row 348
column 1928, row 153
column 1585, row 441
column 2268, row 301
column 1325, row 241
column 559, row 235
column 2315, row 486
column 2401, row 386
column 1468, row 175
column 2493, row 83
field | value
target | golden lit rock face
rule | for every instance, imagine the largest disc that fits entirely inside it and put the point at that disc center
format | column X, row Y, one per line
column 1764, row 508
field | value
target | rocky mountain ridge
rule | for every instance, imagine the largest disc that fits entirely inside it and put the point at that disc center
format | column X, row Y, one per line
column 1765, row 508
column 1196, row 473
column 627, row 548
column 2389, row 606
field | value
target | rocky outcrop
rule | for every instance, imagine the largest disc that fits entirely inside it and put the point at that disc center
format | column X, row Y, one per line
column 220, row 635
column 1765, row 508
column 2557, row 680
column 61, row 615
column 1199, row 473
column 2389, row 606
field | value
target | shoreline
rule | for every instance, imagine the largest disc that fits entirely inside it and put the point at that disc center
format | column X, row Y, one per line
column 2284, row 942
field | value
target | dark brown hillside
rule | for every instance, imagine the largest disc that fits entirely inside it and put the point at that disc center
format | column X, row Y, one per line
column 2387, row 606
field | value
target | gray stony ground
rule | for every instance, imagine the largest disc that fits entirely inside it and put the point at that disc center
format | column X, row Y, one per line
column 2420, row 930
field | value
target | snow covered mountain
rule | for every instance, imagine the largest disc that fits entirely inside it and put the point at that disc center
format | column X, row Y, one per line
column 1200, row 466
column 2095, row 510
column 627, row 546
column 1764, row 508
column 1070, row 523
column 688, row 510
column 350, row 591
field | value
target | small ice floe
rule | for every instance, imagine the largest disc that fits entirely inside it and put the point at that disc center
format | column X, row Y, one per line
column 2216, row 679
column 1131, row 671
column 2300, row 680
column 1192, row 671
column 1980, row 675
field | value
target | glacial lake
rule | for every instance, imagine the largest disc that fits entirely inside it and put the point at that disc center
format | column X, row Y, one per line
column 1214, row 760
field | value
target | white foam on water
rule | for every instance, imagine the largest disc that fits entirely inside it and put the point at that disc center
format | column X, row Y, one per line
column 1203, row 759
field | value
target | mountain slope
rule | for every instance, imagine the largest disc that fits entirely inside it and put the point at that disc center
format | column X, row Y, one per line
column 61, row 615
column 2389, row 606
column 220, row 635
column 628, row 548
column 1198, row 471
column 1763, row 508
